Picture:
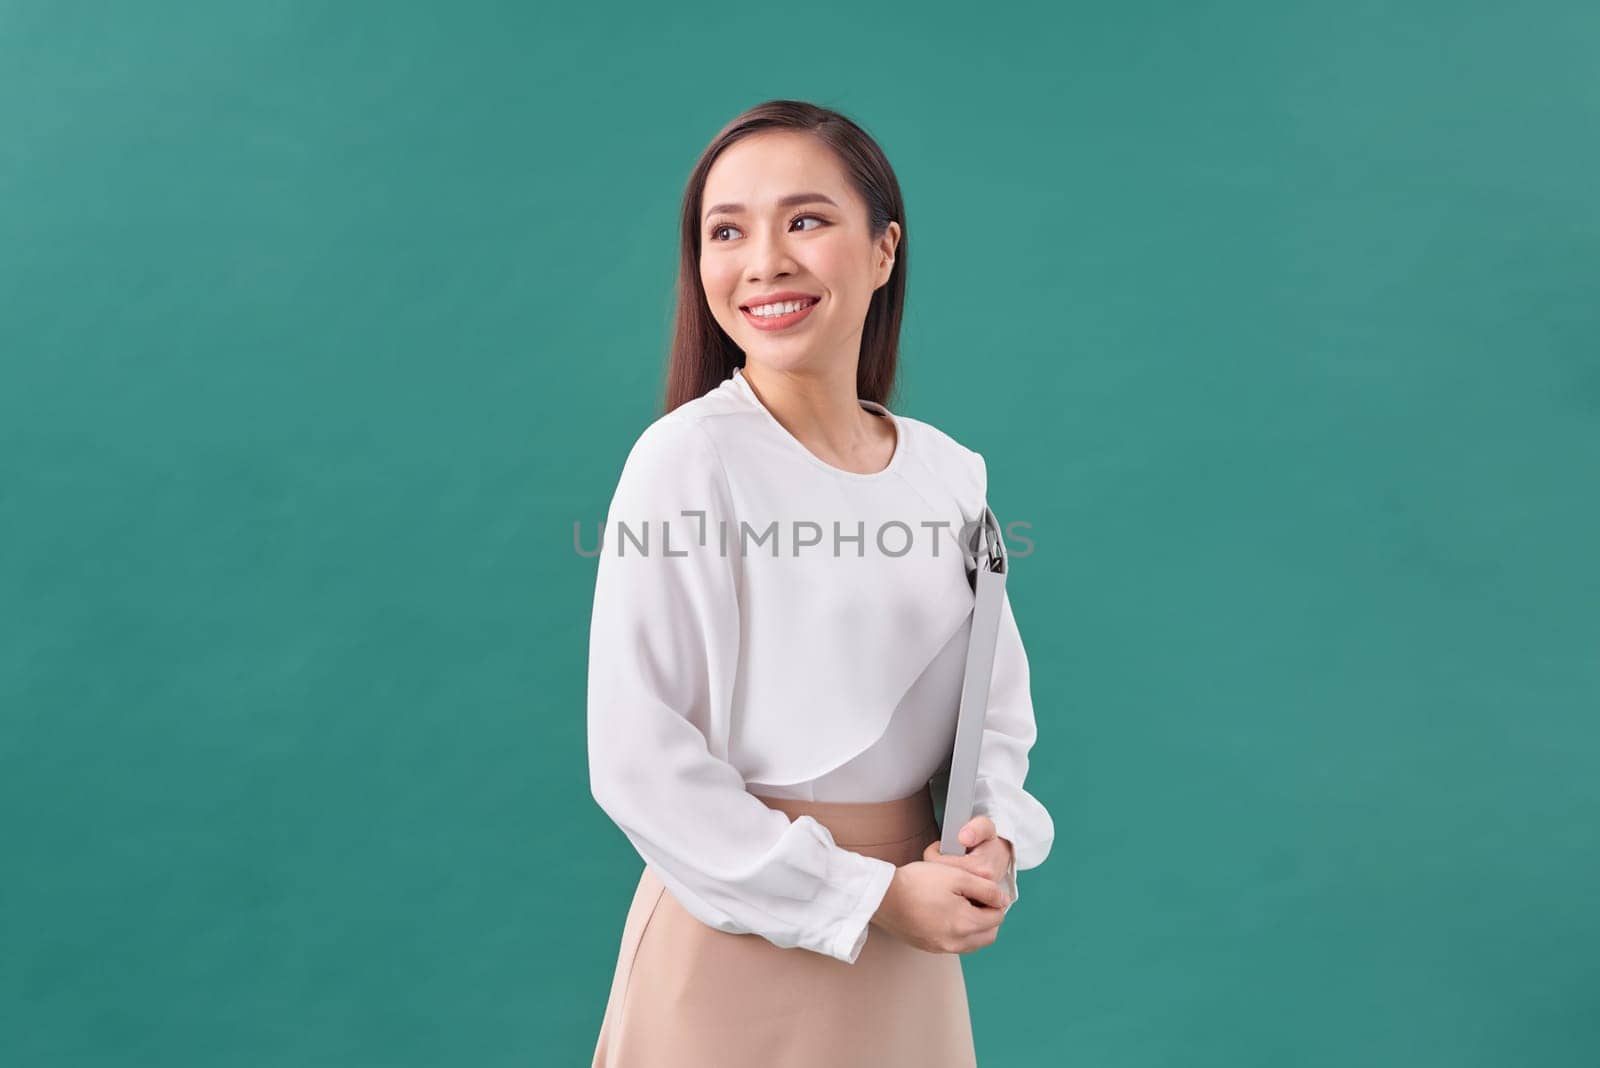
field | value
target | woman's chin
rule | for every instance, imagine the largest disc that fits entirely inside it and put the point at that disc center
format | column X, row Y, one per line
column 787, row 358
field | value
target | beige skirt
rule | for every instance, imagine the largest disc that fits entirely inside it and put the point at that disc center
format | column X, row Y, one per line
column 685, row 994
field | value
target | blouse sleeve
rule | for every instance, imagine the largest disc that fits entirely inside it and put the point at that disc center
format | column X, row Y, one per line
column 1009, row 733
column 663, row 650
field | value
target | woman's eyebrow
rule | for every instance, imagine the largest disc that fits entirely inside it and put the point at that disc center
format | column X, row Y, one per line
column 784, row 202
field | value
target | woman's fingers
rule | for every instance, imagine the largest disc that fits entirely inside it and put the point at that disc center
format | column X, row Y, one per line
column 976, row 830
column 985, row 892
column 960, row 860
column 981, row 861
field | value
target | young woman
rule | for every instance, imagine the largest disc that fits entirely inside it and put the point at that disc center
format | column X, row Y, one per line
column 781, row 616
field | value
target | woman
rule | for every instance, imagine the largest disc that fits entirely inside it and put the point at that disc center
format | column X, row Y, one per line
column 780, row 623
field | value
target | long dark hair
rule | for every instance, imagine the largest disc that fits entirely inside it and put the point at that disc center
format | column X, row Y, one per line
column 703, row 355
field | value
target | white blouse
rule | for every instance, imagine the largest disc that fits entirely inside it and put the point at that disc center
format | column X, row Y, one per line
column 765, row 622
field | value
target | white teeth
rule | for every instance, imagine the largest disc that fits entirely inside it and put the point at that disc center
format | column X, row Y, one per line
column 766, row 311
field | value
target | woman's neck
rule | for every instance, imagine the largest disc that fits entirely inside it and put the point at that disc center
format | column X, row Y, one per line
column 822, row 411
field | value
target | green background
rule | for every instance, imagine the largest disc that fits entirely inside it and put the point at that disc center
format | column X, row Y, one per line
column 322, row 324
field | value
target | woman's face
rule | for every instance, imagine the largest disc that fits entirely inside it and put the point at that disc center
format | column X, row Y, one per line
column 779, row 217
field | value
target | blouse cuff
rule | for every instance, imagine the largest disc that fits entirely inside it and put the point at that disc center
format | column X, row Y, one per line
column 864, row 881
column 1004, row 828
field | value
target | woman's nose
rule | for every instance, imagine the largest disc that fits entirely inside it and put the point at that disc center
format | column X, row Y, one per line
column 769, row 257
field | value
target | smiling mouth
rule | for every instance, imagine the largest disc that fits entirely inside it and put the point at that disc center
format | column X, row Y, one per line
column 778, row 309
column 780, row 316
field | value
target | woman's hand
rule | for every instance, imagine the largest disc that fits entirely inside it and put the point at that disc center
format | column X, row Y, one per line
column 987, row 854
column 940, row 909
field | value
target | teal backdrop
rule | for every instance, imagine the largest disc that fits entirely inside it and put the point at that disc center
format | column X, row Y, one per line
column 321, row 325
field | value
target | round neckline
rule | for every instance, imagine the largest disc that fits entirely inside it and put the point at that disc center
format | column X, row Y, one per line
column 869, row 405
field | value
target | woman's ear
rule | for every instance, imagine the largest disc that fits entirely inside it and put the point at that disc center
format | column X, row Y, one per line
column 886, row 249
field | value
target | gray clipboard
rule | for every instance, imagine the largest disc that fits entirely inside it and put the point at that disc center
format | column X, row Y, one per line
column 987, row 561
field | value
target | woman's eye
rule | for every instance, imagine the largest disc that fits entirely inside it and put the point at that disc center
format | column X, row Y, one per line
column 715, row 230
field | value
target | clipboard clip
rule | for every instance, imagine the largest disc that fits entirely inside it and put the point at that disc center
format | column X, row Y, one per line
column 985, row 548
